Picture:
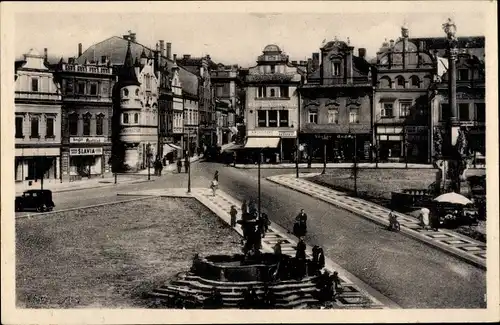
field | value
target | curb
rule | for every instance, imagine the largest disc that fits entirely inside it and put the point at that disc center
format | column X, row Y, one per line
column 478, row 263
column 81, row 208
column 302, row 168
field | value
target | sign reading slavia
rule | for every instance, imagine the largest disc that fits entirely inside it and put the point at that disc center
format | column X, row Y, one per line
column 85, row 151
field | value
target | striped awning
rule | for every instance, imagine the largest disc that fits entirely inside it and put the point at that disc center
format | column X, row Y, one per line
column 257, row 142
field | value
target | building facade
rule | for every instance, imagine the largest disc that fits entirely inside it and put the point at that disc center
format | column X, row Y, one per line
column 222, row 108
column 37, row 120
column 271, row 104
column 337, row 97
column 471, row 104
column 405, row 70
column 87, row 109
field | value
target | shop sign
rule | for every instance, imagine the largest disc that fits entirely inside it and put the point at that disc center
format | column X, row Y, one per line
column 345, row 136
column 272, row 133
column 87, row 139
column 85, row 151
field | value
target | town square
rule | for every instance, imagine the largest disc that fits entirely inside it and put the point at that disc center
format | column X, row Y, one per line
column 344, row 172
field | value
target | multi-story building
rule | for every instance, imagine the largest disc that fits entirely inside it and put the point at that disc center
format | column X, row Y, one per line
column 470, row 82
column 221, row 115
column 271, row 104
column 337, row 96
column 87, row 110
column 37, row 120
column 405, row 69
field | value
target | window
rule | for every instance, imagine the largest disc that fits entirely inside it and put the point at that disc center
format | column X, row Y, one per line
column 125, row 118
column 273, row 69
column 385, row 82
column 81, row 88
column 445, row 112
column 272, row 93
column 415, row 82
column 480, row 112
column 273, row 118
column 93, row 89
column 68, row 86
column 148, row 82
column 261, row 92
column 49, row 133
column 86, row 123
column 137, row 92
column 387, row 110
column 284, row 91
column 99, row 124
column 34, row 127
column 463, row 111
column 313, row 117
column 333, row 116
column 283, row 118
column 136, row 118
column 463, row 74
column 404, row 109
column 19, row 127
column 353, row 115
column 336, row 68
column 34, row 84
column 261, row 118
column 73, row 124
column 125, row 92
column 400, row 82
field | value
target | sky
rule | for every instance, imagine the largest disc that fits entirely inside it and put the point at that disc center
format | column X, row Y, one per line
column 237, row 37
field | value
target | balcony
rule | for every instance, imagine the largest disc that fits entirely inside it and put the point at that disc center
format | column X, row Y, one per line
column 337, row 81
column 87, row 69
column 31, row 95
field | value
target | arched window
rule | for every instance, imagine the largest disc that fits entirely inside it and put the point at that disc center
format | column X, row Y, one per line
column 86, row 123
column 415, row 82
column 73, row 124
column 137, row 92
column 136, row 118
column 385, row 82
column 400, row 82
column 125, row 118
column 99, row 124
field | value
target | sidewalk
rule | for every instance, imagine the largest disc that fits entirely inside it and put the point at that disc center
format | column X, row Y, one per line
column 356, row 293
column 96, row 182
column 340, row 165
column 169, row 168
column 451, row 242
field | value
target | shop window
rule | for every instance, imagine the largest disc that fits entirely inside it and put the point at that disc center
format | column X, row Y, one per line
column 50, row 127
column 400, row 82
column 86, row 123
column 387, row 110
column 333, row 116
column 444, row 112
column 284, row 91
column 19, row 127
column 34, row 84
column 313, row 117
column 273, row 118
column 99, row 124
column 480, row 112
column 404, row 109
column 73, row 124
column 353, row 115
column 284, row 121
column 35, row 127
column 415, row 82
column 463, row 74
column 463, row 111
column 262, row 118
column 336, row 69
column 93, row 89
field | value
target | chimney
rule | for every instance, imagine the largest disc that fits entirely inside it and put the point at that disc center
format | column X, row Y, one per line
column 162, row 48
column 349, row 68
column 80, row 49
column 392, row 43
column 315, row 60
column 175, row 57
column 362, row 52
column 169, row 50
column 45, row 54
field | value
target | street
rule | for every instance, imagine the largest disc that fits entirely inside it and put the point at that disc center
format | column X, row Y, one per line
column 408, row 272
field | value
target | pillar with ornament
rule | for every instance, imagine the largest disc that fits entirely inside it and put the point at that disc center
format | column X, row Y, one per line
column 452, row 156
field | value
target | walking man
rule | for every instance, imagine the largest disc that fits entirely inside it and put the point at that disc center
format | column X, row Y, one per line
column 179, row 166
column 233, row 214
column 186, row 164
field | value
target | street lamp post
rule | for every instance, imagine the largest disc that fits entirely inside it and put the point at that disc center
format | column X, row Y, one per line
column 258, row 178
column 189, row 166
column 148, row 156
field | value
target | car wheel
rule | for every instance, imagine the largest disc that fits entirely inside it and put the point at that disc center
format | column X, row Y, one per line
column 40, row 208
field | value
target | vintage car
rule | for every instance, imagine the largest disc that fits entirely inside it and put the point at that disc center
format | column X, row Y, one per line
column 39, row 200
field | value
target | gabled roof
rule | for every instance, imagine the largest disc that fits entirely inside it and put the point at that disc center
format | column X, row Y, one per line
column 115, row 48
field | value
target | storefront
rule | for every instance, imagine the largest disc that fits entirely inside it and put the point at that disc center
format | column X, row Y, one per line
column 86, row 162
column 340, row 147
column 400, row 143
column 32, row 164
column 277, row 146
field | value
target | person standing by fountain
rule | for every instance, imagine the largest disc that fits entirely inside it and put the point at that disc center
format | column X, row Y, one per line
column 233, row 214
column 300, row 259
column 263, row 223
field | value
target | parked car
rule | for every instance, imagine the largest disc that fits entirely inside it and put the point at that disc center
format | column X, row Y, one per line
column 39, row 200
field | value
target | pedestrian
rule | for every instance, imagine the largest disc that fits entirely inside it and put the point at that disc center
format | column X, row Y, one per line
column 160, row 168
column 300, row 227
column 244, row 208
column 214, row 185
column 233, row 214
column 315, row 259
column 214, row 301
column 249, row 298
column 234, row 159
column 336, row 282
column 277, row 248
column 216, row 175
column 186, row 163
column 301, row 249
column 264, row 224
column 321, row 258
column 179, row 166
column 252, row 208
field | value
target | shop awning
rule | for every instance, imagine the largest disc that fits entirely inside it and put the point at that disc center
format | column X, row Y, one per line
column 232, row 147
column 262, row 142
column 169, row 147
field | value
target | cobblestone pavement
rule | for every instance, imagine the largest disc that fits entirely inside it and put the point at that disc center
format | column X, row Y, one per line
column 464, row 247
column 356, row 294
